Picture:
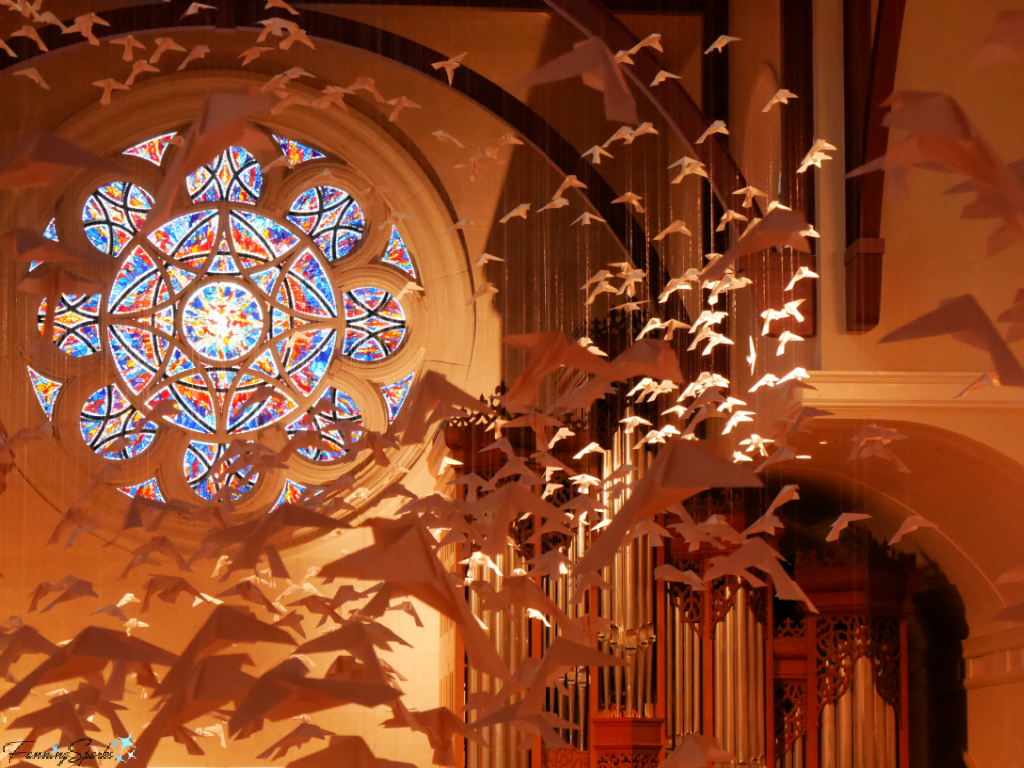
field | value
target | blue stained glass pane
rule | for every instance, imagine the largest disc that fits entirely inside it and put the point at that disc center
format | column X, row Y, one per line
column 290, row 494
column 224, row 263
column 208, row 475
column 188, row 238
column 259, row 238
column 178, row 362
column 51, row 233
column 397, row 254
column 265, row 279
column 333, row 407
column 234, row 175
column 394, row 396
column 138, row 354
column 46, row 391
column 281, row 321
column 375, row 324
column 113, row 214
column 265, row 364
column 187, row 414
column 150, row 489
column 331, row 217
column 112, row 426
column 152, row 149
column 76, row 329
column 304, row 347
column 138, row 286
column 306, row 288
column 297, row 152
column 307, row 373
column 248, row 412
column 178, row 277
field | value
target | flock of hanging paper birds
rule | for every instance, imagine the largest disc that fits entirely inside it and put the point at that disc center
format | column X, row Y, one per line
column 199, row 693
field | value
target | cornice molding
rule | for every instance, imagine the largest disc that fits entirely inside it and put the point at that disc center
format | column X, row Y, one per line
column 848, row 393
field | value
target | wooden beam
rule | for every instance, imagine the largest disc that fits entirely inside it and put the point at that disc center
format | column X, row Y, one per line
column 682, row 114
column 869, row 82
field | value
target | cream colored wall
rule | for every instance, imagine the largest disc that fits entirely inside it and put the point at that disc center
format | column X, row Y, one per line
column 932, row 253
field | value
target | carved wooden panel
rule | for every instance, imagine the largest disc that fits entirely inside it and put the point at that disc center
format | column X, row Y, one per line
column 790, row 717
column 566, row 758
column 627, row 760
column 842, row 640
column 791, row 628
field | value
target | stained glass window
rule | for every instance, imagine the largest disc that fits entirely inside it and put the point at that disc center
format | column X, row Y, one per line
column 254, row 310
column 153, row 149
column 113, row 214
column 290, row 494
column 76, row 329
column 296, row 151
column 51, row 233
column 207, row 472
column 234, row 175
column 46, row 391
column 397, row 254
column 374, row 324
column 147, row 490
column 333, row 407
column 331, row 217
column 223, row 320
column 395, row 394
column 113, row 427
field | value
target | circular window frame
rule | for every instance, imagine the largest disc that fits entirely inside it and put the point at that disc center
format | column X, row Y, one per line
column 440, row 336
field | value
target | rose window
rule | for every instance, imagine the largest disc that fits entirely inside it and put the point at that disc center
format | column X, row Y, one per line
column 228, row 317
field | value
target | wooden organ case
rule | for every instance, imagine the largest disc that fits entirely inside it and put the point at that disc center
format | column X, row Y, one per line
column 778, row 686
column 841, row 693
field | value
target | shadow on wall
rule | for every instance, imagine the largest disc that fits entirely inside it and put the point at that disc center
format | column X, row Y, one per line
column 938, row 700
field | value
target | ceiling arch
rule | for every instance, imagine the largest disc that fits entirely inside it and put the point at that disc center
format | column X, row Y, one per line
column 676, row 105
column 949, row 474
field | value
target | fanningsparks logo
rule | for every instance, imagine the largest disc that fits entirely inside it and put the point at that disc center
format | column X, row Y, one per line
column 75, row 753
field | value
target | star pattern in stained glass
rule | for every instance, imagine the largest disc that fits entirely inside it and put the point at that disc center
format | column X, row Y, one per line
column 225, row 319
column 254, row 309
column 374, row 324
